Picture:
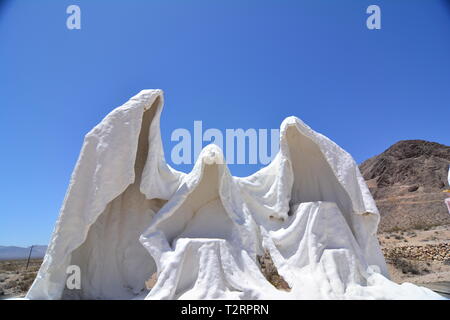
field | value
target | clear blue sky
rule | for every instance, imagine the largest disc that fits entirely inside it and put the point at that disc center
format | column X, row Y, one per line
column 232, row 64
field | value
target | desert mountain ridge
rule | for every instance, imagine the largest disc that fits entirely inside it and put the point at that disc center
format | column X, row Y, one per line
column 407, row 181
column 13, row 252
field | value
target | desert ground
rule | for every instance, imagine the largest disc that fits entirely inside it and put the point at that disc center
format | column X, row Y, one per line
column 15, row 278
column 420, row 256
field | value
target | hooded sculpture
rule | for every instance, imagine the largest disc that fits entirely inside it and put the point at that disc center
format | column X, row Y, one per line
column 128, row 215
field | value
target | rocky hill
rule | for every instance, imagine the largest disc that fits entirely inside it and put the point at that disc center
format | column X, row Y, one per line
column 407, row 181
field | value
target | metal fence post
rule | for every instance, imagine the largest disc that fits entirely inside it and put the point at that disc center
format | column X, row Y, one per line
column 29, row 256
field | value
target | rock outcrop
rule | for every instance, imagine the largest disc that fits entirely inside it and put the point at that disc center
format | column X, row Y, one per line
column 407, row 181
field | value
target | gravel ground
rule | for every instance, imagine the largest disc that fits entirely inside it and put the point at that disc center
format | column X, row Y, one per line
column 418, row 256
column 15, row 279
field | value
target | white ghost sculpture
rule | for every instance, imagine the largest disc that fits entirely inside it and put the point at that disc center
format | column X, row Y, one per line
column 128, row 215
column 447, row 201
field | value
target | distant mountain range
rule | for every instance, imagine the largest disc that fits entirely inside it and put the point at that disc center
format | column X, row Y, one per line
column 13, row 253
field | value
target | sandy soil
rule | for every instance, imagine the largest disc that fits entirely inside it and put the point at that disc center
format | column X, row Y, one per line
column 418, row 256
column 15, row 279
